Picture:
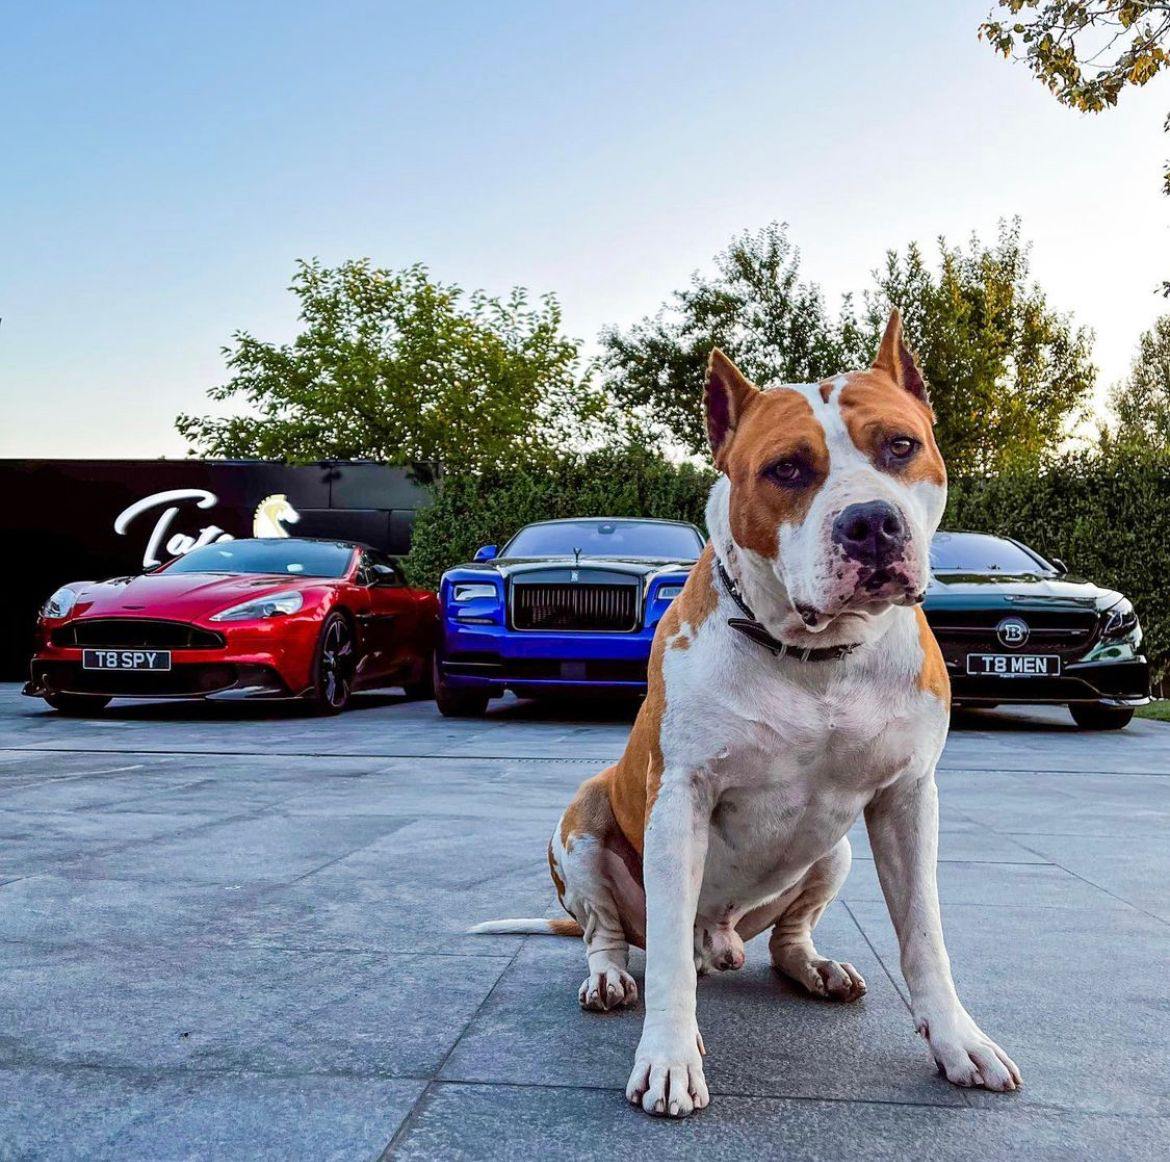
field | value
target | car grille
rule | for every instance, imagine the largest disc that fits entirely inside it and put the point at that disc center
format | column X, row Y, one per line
column 612, row 608
column 136, row 633
column 1051, row 631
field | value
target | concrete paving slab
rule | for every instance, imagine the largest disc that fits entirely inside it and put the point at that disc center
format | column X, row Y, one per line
column 477, row 1122
column 240, row 932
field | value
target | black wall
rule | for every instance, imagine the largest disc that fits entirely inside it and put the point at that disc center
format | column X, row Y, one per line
column 57, row 519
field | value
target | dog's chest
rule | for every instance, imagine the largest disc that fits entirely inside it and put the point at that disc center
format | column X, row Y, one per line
column 791, row 782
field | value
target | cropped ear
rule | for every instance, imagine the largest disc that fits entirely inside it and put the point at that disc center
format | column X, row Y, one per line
column 726, row 396
column 898, row 362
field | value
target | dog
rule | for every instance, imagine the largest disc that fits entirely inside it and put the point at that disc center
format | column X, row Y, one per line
column 793, row 686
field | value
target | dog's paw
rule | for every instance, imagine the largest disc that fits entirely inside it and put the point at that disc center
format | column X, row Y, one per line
column 612, row 988
column 821, row 976
column 965, row 1055
column 667, row 1079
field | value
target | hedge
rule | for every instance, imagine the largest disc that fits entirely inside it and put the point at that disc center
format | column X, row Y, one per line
column 1108, row 520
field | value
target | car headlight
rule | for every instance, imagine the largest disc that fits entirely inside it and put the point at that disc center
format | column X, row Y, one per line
column 1120, row 619
column 277, row 605
column 668, row 592
column 61, row 603
column 463, row 591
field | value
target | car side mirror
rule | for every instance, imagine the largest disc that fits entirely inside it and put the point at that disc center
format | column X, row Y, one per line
column 386, row 575
column 485, row 553
column 1061, row 567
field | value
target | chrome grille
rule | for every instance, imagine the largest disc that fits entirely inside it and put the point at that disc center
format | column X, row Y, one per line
column 1051, row 631
column 612, row 608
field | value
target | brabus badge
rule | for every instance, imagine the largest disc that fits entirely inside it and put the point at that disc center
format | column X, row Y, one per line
column 1012, row 632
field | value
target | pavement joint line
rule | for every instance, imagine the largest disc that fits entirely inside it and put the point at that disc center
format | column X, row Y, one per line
column 1084, row 879
column 424, row 1096
column 865, row 936
column 185, row 1073
column 510, row 758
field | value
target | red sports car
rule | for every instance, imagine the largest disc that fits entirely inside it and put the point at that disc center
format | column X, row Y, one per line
column 284, row 617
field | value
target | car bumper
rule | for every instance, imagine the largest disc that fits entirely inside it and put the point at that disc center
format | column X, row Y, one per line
column 269, row 659
column 494, row 658
column 1120, row 683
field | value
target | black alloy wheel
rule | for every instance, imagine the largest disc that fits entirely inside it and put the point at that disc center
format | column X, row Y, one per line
column 334, row 669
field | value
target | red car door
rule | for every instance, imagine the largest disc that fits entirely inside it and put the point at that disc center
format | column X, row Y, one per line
column 391, row 618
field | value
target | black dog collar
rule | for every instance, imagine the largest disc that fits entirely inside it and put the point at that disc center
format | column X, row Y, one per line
column 750, row 627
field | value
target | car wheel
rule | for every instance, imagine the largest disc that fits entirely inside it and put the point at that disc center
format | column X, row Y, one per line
column 77, row 705
column 424, row 689
column 1092, row 716
column 334, row 666
column 457, row 703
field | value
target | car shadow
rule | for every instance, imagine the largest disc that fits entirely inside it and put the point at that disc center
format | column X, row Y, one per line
column 1036, row 719
column 229, row 710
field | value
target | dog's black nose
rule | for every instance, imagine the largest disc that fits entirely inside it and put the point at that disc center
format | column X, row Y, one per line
column 873, row 533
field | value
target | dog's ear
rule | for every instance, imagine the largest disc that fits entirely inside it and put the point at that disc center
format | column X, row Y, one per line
column 898, row 362
column 726, row 396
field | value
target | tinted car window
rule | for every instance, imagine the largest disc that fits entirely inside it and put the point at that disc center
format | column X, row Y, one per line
column 980, row 553
column 616, row 538
column 292, row 557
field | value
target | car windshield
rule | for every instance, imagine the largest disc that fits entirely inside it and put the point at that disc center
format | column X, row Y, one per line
column 980, row 553
column 607, row 538
column 293, row 557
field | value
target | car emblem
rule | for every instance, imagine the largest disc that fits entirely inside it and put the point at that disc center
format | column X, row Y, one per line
column 1012, row 632
column 574, row 576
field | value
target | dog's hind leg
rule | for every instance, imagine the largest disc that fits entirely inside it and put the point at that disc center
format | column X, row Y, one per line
column 791, row 944
column 598, row 889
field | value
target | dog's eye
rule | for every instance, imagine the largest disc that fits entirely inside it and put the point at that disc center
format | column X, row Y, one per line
column 902, row 447
column 789, row 473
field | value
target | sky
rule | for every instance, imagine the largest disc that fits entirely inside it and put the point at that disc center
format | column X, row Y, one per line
column 163, row 166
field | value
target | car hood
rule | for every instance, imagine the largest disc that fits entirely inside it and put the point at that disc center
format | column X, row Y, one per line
column 1015, row 591
column 635, row 567
column 179, row 595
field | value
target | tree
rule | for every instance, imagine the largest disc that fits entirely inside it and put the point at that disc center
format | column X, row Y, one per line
column 756, row 308
column 1141, row 402
column 391, row 366
column 1008, row 375
column 1086, row 51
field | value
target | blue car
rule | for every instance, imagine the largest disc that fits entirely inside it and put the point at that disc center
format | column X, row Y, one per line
column 566, row 605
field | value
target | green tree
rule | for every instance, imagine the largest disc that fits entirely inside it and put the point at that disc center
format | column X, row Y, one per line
column 1008, row 375
column 756, row 308
column 1141, row 402
column 1087, row 52
column 390, row 365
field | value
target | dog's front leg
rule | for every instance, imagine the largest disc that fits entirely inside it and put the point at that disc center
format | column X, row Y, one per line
column 668, row 1069
column 903, row 829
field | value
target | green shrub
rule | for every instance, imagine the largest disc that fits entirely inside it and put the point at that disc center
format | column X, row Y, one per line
column 472, row 510
column 1107, row 518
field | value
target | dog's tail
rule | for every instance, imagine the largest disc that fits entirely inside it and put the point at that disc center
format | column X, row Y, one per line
column 559, row 927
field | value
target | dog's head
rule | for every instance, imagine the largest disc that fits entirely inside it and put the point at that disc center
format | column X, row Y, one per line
column 835, row 488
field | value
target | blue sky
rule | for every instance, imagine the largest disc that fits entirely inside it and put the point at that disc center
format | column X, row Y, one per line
column 163, row 165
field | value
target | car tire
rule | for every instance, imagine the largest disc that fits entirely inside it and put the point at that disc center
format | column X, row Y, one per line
column 77, row 705
column 333, row 666
column 1093, row 716
column 457, row 703
column 424, row 689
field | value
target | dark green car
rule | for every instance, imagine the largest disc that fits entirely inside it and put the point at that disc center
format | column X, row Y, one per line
column 1014, row 627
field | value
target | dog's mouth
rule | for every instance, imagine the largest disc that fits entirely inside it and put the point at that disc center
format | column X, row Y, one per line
column 874, row 589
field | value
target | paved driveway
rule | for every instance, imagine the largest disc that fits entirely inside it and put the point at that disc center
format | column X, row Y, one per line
column 232, row 934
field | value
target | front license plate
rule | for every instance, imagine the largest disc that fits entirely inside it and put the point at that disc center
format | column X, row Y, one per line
column 1013, row 665
column 126, row 660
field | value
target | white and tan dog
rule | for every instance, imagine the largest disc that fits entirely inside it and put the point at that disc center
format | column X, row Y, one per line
column 793, row 686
